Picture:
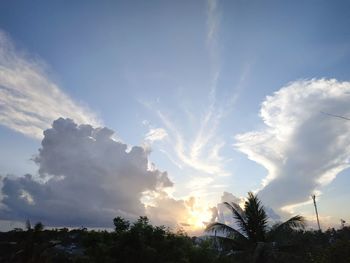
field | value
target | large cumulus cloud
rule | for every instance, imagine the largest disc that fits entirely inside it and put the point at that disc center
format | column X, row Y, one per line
column 302, row 148
column 84, row 178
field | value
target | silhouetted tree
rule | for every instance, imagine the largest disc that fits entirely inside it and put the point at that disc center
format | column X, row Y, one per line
column 252, row 239
column 120, row 224
column 38, row 227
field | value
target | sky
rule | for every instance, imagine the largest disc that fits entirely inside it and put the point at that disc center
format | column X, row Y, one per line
column 168, row 108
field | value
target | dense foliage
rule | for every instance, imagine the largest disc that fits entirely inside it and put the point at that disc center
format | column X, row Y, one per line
column 136, row 242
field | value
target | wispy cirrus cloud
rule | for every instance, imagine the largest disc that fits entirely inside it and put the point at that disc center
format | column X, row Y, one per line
column 213, row 23
column 197, row 151
column 155, row 134
column 29, row 100
column 202, row 151
column 213, row 26
column 212, row 20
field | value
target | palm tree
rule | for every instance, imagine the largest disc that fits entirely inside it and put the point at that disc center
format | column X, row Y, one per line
column 252, row 238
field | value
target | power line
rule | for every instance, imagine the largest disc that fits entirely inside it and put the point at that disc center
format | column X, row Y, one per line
column 336, row 116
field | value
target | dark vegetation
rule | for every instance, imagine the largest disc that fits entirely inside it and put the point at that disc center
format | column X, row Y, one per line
column 252, row 241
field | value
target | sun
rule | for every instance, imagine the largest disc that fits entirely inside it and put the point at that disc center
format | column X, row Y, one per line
column 198, row 218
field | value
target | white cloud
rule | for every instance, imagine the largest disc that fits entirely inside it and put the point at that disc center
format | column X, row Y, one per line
column 188, row 213
column 29, row 100
column 220, row 213
column 212, row 19
column 301, row 148
column 85, row 178
column 213, row 23
column 157, row 134
column 202, row 152
column 169, row 211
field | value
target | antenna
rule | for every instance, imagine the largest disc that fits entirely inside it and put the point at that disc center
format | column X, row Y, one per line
column 318, row 221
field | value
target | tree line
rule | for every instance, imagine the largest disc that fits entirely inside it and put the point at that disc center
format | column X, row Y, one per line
column 251, row 241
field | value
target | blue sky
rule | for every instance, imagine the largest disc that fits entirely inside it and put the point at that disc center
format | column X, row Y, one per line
column 195, row 74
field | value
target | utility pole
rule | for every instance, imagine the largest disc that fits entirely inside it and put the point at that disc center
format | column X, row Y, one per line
column 318, row 221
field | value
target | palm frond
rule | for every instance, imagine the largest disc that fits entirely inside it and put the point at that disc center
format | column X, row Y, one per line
column 239, row 215
column 295, row 222
column 225, row 229
column 256, row 218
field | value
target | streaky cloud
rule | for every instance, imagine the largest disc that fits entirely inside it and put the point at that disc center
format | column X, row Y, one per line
column 213, row 23
column 202, row 153
column 155, row 134
column 29, row 99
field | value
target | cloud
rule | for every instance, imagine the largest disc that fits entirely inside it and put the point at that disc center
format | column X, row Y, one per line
column 230, row 198
column 212, row 19
column 157, row 134
column 220, row 213
column 165, row 209
column 213, row 23
column 193, row 143
column 29, row 100
column 224, row 215
column 213, row 26
column 84, row 178
column 202, row 152
column 302, row 148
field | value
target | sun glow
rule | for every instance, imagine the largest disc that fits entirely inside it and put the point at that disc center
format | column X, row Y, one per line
column 199, row 218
